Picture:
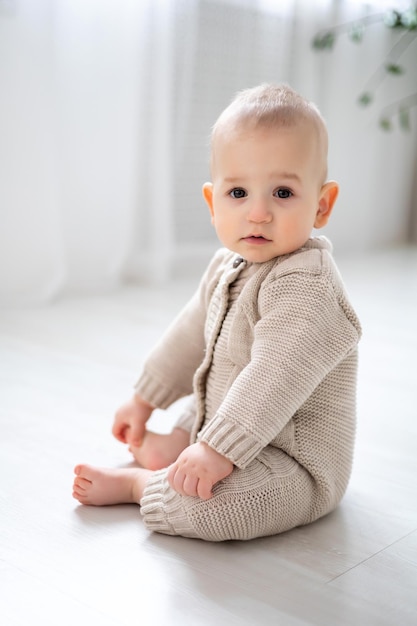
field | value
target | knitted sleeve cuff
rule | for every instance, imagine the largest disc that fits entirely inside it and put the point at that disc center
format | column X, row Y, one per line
column 156, row 392
column 231, row 440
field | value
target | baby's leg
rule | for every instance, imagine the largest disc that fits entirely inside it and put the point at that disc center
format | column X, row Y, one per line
column 269, row 496
column 158, row 451
column 98, row 486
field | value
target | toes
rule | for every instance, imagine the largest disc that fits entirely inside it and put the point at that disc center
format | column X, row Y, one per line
column 80, row 497
column 78, row 469
column 82, row 483
column 77, row 494
column 84, row 471
column 80, row 490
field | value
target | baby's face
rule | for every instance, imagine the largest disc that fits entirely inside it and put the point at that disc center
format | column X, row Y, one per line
column 266, row 189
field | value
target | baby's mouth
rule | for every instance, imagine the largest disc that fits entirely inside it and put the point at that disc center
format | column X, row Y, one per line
column 256, row 239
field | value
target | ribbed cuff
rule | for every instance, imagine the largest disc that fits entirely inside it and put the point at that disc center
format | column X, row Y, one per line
column 231, row 440
column 161, row 503
column 156, row 392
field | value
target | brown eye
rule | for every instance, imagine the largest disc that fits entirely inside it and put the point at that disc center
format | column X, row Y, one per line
column 238, row 193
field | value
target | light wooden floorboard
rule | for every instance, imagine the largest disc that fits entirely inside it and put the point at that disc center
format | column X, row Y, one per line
column 65, row 368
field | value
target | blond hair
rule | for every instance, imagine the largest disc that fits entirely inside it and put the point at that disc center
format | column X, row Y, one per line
column 272, row 106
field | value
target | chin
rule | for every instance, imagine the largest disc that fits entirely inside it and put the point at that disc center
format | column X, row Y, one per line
column 259, row 258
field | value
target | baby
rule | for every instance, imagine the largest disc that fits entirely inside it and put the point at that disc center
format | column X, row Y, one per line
column 266, row 349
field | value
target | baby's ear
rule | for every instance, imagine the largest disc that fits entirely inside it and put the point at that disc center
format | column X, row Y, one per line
column 208, row 197
column 328, row 196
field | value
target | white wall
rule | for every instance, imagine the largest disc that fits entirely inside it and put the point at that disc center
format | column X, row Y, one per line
column 29, row 192
column 105, row 110
column 69, row 123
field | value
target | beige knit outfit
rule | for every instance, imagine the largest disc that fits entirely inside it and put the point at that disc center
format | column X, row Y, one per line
column 268, row 353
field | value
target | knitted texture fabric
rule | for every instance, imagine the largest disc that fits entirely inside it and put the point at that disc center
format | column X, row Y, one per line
column 269, row 353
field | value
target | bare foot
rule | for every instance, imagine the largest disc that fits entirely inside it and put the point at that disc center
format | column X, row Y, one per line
column 158, row 451
column 97, row 486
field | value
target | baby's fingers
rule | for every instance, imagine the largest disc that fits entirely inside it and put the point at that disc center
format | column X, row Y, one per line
column 136, row 435
column 174, row 479
column 190, row 486
column 185, row 485
column 204, row 487
column 119, row 432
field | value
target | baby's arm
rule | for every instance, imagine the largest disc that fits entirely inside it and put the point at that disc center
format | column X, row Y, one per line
column 302, row 334
column 197, row 469
column 130, row 421
column 169, row 369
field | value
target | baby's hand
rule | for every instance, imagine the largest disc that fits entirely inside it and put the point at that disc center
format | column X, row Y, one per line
column 197, row 469
column 130, row 421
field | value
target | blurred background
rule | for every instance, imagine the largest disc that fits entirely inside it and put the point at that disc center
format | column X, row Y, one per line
column 105, row 112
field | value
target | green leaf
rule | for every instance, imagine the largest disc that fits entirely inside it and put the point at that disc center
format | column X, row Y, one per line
column 404, row 117
column 394, row 68
column 385, row 124
column 392, row 19
column 365, row 98
column 324, row 41
column 356, row 33
column 409, row 18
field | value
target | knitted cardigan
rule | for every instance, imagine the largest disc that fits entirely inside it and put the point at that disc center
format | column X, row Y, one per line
column 268, row 353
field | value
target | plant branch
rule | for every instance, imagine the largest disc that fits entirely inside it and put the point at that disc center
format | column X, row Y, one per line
column 346, row 27
column 404, row 103
column 394, row 20
column 390, row 64
column 402, row 108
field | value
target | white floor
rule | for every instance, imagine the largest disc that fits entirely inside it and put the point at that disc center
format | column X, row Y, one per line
column 65, row 369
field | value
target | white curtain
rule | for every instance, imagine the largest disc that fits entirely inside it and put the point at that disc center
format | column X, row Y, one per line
column 105, row 112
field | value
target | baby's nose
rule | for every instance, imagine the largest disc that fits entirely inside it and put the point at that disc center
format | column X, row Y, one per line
column 259, row 211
